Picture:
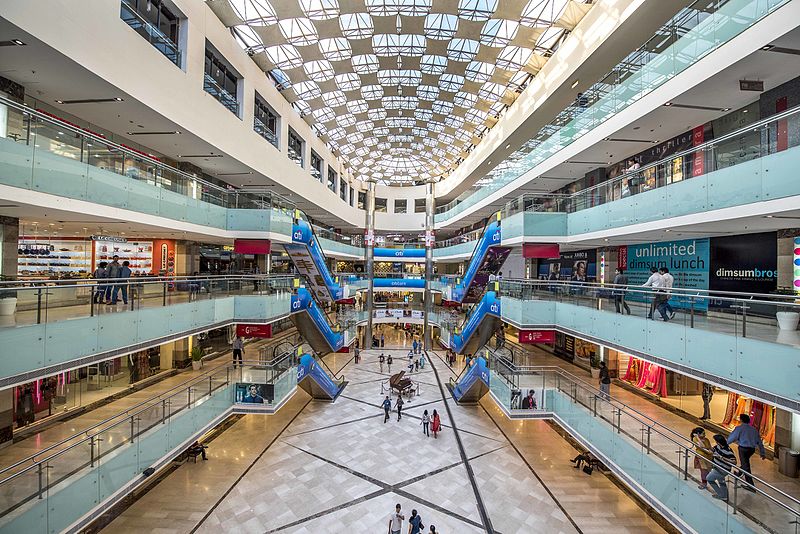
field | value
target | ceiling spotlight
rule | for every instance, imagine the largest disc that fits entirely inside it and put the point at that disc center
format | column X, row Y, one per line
column 668, row 104
column 17, row 42
column 574, row 84
column 118, row 99
column 767, row 47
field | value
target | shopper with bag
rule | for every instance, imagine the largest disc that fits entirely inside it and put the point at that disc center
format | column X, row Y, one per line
column 436, row 423
column 415, row 525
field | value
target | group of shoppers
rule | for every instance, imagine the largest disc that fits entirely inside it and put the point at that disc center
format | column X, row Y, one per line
column 415, row 525
column 116, row 276
column 661, row 281
column 717, row 462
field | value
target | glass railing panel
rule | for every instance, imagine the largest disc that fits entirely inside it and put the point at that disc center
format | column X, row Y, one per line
column 226, row 99
column 150, row 32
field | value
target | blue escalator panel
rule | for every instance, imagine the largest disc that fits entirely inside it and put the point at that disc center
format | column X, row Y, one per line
column 480, row 326
column 474, row 384
column 487, row 259
column 309, row 259
column 313, row 325
column 315, row 381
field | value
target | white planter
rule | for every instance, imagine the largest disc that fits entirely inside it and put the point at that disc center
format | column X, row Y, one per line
column 786, row 320
column 197, row 364
column 8, row 306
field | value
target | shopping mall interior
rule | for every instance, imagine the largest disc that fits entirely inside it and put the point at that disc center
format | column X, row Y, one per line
column 404, row 266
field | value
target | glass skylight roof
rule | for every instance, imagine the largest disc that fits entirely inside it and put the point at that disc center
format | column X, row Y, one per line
column 411, row 83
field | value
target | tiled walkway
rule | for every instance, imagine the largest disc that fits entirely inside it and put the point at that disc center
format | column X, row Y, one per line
column 338, row 468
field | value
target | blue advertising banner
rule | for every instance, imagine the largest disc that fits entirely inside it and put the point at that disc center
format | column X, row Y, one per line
column 309, row 370
column 489, row 304
column 302, row 302
column 399, row 283
column 478, row 371
column 399, row 252
column 688, row 262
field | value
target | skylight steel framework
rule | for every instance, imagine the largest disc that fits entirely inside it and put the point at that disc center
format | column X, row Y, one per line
column 401, row 90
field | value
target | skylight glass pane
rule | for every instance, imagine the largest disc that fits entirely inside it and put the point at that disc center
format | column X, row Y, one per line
column 427, row 92
column 247, row 37
column 348, row 81
column 255, row 12
column 442, row 108
column 542, row 12
column 454, row 121
column 335, row 49
column 365, row 64
column 334, row 99
column 367, row 126
column 357, row 106
column 282, row 81
column 433, row 65
column 356, row 25
column 372, row 92
column 498, row 32
column 325, row 114
column 388, row 8
column 345, row 120
column 284, row 56
column 476, row 9
column 299, row 31
column 337, row 133
column 319, row 71
column 462, row 49
column 400, row 77
column 376, row 114
column 491, row 91
column 320, row 9
column 480, row 72
column 423, row 114
column 464, row 99
column 513, row 57
column 390, row 45
column 307, row 90
column 451, row 82
column 441, row 26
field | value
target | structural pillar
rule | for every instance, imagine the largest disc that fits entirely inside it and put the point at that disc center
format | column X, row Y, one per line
column 430, row 207
column 369, row 246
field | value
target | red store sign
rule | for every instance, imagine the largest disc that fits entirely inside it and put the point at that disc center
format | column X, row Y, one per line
column 254, row 330
column 537, row 336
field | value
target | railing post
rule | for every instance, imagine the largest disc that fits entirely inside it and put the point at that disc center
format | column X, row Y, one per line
column 594, row 407
column 691, row 312
column 649, row 429
column 209, row 385
column 41, row 480
column 91, row 300
column 735, row 494
column 133, row 427
column 686, row 464
column 619, row 422
column 164, row 294
column 164, row 411
column 39, row 306
column 744, row 320
column 91, row 451
column 189, row 397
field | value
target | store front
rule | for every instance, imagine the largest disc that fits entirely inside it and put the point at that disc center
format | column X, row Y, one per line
column 694, row 397
column 54, row 395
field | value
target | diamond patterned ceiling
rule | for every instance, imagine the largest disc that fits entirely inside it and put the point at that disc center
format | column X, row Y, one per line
column 401, row 90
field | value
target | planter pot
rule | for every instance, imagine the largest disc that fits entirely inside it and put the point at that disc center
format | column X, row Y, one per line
column 595, row 372
column 8, row 306
column 786, row 320
column 197, row 365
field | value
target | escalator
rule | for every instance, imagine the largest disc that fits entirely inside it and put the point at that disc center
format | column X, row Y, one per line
column 315, row 381
column 481, row 324
column 309, row 259
column 313, row 324
column 487, row 259
column 473, row 384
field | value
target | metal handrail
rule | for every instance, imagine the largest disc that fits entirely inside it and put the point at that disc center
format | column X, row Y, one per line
column 85, row 282
column 135, row 154
column 687, row 444
column 687, row 292
column 126, row 414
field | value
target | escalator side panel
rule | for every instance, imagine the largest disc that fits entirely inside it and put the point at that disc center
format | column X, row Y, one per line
column 309, row 259
column 487, row 259
column 474, row 384
column 313, row 379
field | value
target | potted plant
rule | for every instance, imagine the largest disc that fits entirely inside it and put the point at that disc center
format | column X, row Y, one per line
column 8, row 300
column 197, row 358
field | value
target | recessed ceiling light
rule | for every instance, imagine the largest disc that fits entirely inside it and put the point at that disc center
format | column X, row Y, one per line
column 667, row 230
column 508, row 146
column 767, row 47
column 744, row 111
column 668, row 104
column 17, row 42
column 769, row 216
column 574, row 84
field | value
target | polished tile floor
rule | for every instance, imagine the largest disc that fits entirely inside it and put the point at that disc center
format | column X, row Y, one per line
column 320, row 467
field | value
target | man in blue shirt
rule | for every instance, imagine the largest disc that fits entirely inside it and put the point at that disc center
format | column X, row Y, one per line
column 748, row 439
column 387, row 406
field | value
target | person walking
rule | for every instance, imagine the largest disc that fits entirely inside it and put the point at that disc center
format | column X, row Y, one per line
column 122, row 285
column 433, row 530
column 383, row 340
column 529, row 402
column 415, row 525
column 389, row 362
column 113, row 269
column 620, row 281
column 238, row 351
column 396, row 521
column 436, row 424
column 422, row 361
column 721, row 464
column 414, row 346
column 748, row 438
column 656, row 281
column 387, row 407
column 707, row 395
column 426, row 421
column 704, row 455
column 665, row 309
column 399, row 406
column 101, row 273
column 605, row 381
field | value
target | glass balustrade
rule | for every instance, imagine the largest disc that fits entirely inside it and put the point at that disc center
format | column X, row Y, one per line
column 150, row 31
column 642, row 451
column 694, row 32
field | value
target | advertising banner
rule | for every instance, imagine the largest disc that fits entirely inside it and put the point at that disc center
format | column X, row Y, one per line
column 492, row 261
column 537, row 336
column 578, row 266
column 309, row 370
column 537, row 250
column 250, row 393
column 399, row 252
column 254, row 330
column 688, row 262
column 309, row 260
column 746, row 263
column 399, row 283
